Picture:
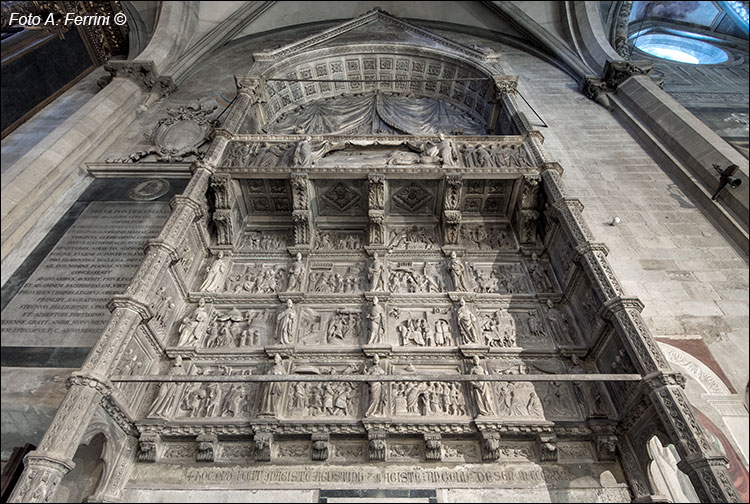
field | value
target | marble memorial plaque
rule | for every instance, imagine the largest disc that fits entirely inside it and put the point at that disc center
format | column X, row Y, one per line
column 63, row 303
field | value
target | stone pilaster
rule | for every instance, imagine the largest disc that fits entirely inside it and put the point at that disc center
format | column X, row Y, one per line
column 502, row 87
column 593, row 259
column 40, row 478
column 248, row 107
column 452, row 209
column 376, row 210
column 301, row 211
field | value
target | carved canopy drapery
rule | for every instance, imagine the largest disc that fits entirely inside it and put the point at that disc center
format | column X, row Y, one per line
column 377, row 113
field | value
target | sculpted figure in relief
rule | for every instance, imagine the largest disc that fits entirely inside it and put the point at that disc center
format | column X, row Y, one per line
column 296, row 274
column 193, row 326
column 499, row 329
column 377, row 323
column 273, row 390
column 163, row 306
column 377, row 274
column 458, row 273
column 285, row 323
column 467, row 323
column 165, row 399
column 447, row 150
column 215, row 274
column 481, row 390
column 377, row 395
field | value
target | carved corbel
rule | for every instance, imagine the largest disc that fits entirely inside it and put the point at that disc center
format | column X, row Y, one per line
column 221, row 185
column 490, row 445
column 302, row 227
column 148, row 444
column 547, row 444
column 617, row 72
column 376, row 191
column 320, row 443
column 432, row 446
column 208, row 445
column 252, row 87
column 606, row 447
column 263, row 441
column 530, row 192
column 596, row 89
column 144, row 74
column 376, row 446
column 301, row 213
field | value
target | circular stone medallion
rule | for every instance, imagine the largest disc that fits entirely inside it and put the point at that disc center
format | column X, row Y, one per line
column 149, row 189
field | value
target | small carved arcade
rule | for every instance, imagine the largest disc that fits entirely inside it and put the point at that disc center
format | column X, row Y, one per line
column 355, row 299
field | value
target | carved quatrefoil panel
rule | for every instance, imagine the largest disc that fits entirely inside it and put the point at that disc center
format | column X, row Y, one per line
column 340, row 197
column 412, row 197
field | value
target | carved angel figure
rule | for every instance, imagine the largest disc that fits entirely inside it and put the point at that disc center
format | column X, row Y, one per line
column 215, row 274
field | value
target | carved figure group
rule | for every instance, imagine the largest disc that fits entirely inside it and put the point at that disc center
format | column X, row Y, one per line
column 332, row 240
column 481, row 237
column 258, row 240
column 413, row 238
column 342, row 326
column 335, row 282
column 428, row 399
column 212, row 399
column 499, row 329
column 406, row 279
column 322, row 399
column 419, row 332
column 256, row 279
column 482, row 155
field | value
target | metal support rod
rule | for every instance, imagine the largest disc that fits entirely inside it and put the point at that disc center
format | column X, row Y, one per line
column 382, row 80
column 384, row 378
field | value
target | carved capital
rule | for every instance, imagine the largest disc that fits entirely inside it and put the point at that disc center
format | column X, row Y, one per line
column 185, row 201
column 221, row 185
column 320, row 445
column 208, row 445
column 78, row 379
column 432, row 447
column 504, row 85
column 40, row 478
column 617, row 72
column 251, row 86
column 144, row 74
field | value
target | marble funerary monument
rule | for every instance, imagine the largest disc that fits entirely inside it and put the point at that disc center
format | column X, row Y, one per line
column 375, row 279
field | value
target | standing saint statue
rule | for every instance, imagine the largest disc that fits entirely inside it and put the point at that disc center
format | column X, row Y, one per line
column 296, row 274
column 458, row 273
column 285, row 322
column 467, row 323
column 377, row 395
column 377, row 274
column 193, row 326
column 215, row 274
column 273, row 391
column 481, row 390
column 447, row 150
column 377, row 323
column 164, row 402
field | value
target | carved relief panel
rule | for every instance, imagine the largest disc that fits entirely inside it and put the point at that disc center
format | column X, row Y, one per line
column 324, row 399
column 342, row 326
column 410, row 277
column 428, row 398
column 422, row 327
column 336, row 277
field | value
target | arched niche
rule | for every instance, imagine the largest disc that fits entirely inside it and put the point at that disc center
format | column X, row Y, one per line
column 666, row 479
column 85, row 478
